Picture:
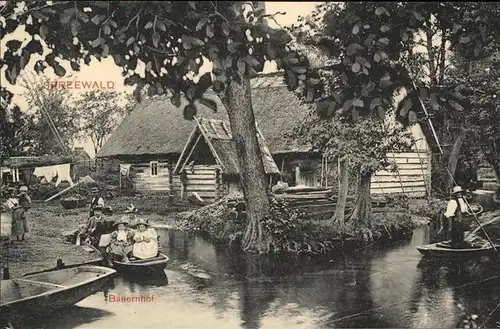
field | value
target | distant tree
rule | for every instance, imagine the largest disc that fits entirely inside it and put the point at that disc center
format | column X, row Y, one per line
column 54, row 126
column 100, row 112
column 14, row 126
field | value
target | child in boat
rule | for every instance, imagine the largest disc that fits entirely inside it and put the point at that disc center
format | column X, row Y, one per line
column 145, row 241
column 121, row 241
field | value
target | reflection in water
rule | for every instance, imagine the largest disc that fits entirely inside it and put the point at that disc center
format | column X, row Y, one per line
column 371, row 287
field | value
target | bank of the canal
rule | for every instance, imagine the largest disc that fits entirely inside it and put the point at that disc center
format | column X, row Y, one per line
column 375, row 287
column 48, row 221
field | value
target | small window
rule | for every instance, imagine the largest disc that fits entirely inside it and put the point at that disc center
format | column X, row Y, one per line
column 153, row 165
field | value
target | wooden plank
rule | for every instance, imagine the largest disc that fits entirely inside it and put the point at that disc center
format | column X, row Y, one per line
column 395, row 178
column 398, row 190
column 198, row 176
column 404, row 172
column 206, row 195
column 398, row 185
column 422, row 154
column 147, row 165
column 422, row 160
column 409, row 166
column 162, row 186
column 195, row 188
column 200, row 182
column 300, row 197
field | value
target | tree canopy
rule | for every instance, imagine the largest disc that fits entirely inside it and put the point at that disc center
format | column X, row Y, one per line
column 373, row 44
column 171, row 38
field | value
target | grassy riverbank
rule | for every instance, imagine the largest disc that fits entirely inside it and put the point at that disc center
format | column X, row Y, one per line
column 45, row 244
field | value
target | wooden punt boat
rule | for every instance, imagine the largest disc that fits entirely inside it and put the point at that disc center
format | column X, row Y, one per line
column 444, row 250
column 42, row 293
column 142, row 266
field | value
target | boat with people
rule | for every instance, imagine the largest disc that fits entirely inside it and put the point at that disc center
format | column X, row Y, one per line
column 444, row 250
column 470, row 238
column 42, row 293
column 142, row 266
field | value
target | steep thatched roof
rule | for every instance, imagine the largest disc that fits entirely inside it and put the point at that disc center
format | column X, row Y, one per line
column 158, row 127
column 277, row 112
column 217, row 135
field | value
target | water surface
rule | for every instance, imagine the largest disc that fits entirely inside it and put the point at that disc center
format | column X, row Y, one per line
column 207, row 286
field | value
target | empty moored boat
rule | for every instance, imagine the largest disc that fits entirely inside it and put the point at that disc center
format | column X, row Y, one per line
column 40, row 294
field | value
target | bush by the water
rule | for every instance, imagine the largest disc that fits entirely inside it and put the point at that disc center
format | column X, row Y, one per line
column 434, row 209
column 290, row 230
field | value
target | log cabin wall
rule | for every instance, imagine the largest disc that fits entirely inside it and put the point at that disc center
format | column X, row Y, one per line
column 151, row 177
column 148, row 174
column 202, row 179
column 412, row 177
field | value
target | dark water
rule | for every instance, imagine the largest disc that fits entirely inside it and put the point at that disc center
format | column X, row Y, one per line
column 210, row 287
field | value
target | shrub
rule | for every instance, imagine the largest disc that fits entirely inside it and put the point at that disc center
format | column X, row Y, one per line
column 434, row 209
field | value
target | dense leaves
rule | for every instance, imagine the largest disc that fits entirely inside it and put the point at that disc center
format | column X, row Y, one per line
column 14, row 127
column 374, row 43
column 172, row 39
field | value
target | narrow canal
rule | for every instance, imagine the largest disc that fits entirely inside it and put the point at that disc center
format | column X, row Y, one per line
column 206, row 286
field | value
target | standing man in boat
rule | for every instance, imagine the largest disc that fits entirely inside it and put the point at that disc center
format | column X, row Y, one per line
column 97, row 202
column 456, row 210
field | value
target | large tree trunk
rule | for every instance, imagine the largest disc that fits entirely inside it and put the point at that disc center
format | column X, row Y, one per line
column 238, row 101
column 362, row 211
column 453, row 159
column 339, row 215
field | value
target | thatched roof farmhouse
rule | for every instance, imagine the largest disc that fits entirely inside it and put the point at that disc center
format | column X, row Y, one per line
column 155, row 134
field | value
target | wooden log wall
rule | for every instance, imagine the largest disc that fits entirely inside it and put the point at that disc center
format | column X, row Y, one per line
column 412, row 177
column 145, row 182
column 202, row 179
column 486, row 176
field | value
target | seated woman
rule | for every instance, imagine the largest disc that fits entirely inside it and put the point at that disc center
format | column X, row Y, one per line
column 121, row 241
column 145, row 241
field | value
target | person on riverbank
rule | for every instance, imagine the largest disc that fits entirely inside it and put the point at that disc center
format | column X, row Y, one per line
column 24, row 198
column 145, row 241
column 131, row 213
column 456, row 210
column 121, row 241
column 19, row 222
column 97, row 201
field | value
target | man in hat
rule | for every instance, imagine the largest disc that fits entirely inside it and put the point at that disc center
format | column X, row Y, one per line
column 96, row 202
column 456, row 209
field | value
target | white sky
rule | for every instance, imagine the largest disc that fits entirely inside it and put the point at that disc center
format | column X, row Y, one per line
column 106, row 70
